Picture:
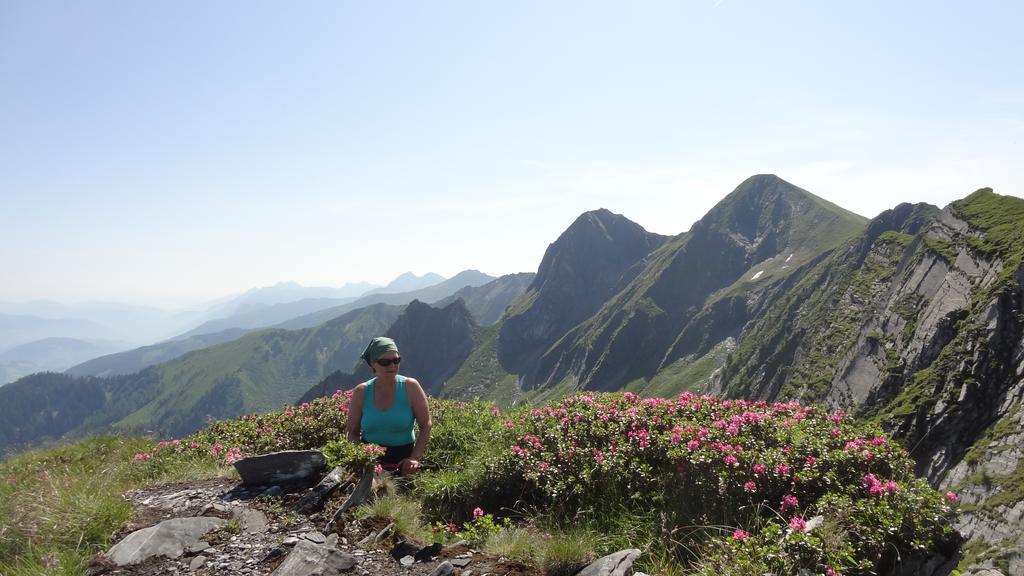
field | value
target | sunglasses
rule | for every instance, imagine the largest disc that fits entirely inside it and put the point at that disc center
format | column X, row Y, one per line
column 389, row 361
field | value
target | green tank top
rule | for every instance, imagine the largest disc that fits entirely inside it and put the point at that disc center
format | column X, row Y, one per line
column 392, row 427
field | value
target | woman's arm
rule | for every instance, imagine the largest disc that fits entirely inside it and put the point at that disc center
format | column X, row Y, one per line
column 355, row 413
column 421, row 410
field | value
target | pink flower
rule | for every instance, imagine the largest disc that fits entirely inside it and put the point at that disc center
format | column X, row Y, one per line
column 952, row 497
column 760, row 469
column 740, row 535
column 837, row 416
column 830, row 571
column 750, row 486
column 693, row 445
column 797, row 524
column 477, row 513
column 782, row 469
column 141, row 457
column 378, row 469
column 810, row 461
column 789, row 501
column 495, row 411
column 731, row 460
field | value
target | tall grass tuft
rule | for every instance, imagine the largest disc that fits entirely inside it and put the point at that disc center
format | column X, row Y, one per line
column 60, row 506
column 403, row 510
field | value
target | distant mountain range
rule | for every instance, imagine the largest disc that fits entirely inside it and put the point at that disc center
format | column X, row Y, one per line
column 914, row 319
column 428, row 294
column 486, row 303
column 49, row 354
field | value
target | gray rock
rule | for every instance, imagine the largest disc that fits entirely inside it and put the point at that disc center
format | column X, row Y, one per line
column 281, row 467
column 196, row 563
column 443, row 569
column 308, row 559
column 407, row 561
column 169, row 538
column 315, row 537
column 198, row 547
column 461, row 562
column 617, row 564
column 252, row 521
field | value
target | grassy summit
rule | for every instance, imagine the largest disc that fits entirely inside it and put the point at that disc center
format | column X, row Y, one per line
column 703, row 486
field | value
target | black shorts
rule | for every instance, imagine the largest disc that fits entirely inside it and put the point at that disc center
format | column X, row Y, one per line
column 394, row 454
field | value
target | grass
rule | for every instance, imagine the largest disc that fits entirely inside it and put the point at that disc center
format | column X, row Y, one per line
column 482, row 376
column 59, row 506
column 404, row 511
column 691, row 374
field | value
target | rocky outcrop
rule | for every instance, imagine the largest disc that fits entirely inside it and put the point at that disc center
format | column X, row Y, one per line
column 918, row 324
column 217, row 527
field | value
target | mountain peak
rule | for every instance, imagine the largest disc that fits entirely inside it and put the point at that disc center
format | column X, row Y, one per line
column 765, row 204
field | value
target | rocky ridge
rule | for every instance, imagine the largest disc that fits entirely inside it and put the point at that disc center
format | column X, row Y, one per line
column 221, row 526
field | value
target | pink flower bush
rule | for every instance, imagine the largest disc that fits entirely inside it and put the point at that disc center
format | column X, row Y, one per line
column 590, row 449
column 740, row 535
column 797, row 524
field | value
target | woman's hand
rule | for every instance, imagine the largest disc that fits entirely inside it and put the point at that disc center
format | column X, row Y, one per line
column 408, row 466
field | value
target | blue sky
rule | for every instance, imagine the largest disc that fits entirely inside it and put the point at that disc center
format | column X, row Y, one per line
column 175, row 152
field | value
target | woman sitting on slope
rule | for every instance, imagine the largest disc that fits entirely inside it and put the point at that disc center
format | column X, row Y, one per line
column 383, row 409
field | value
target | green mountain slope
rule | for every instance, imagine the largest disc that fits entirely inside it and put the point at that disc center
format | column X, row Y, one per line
column 135, row 360
column 697, row 289
column 254, row 373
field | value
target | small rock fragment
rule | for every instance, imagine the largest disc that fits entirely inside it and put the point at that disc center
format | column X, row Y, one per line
column 443, row 569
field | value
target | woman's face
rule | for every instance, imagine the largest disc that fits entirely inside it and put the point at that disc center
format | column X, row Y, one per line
column 388, row 357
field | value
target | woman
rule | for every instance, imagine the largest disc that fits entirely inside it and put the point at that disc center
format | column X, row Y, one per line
column 383, row 409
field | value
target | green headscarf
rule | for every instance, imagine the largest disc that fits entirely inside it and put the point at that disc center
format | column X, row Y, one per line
column 377, row 347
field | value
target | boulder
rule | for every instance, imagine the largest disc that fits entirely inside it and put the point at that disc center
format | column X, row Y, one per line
column 309, row 559
column 287, row 467
column 169, row 538
column 618, row 564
